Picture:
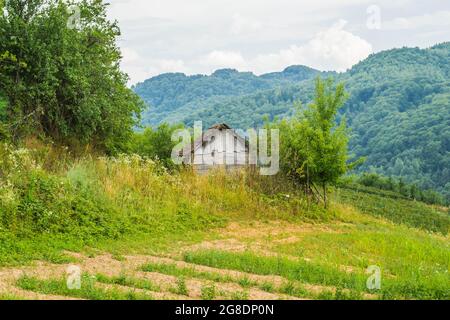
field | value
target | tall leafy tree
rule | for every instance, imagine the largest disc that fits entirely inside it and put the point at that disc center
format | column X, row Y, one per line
column 314, row 146
column 59, row 69
column 327, row 141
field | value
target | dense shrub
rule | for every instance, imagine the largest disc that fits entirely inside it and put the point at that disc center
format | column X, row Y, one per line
column 155, row 143
column 37, row 202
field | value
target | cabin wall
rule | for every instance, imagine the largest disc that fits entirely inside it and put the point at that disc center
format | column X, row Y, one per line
column 221, row 148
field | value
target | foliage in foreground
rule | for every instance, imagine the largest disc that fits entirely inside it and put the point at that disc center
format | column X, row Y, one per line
column 90, row 201
column 109, row 203
column 61, row 77
column 155, row 143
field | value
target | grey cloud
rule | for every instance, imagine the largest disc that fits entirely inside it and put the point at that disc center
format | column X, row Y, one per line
column 197, row 36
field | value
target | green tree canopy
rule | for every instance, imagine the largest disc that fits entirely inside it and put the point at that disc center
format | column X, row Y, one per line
column 314, row 148
column 60, row 73
column 155, row 143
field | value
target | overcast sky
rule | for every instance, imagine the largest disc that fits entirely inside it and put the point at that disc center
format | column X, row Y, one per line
column 200, row 36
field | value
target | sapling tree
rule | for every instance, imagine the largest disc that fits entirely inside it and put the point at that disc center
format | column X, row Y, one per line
column 314, row 146
column 327, row 140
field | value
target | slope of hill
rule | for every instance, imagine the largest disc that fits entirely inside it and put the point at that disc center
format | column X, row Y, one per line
column 398, row 110
column 138, row 231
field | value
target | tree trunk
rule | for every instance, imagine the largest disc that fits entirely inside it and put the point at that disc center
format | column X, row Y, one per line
column 325, row 194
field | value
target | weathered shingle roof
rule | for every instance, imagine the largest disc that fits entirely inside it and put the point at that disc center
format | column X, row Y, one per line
column 220, row 126
column 206, row 137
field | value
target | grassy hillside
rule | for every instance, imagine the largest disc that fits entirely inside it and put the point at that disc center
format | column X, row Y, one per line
column 397, row 111
column 175, row 235
column 395, row 208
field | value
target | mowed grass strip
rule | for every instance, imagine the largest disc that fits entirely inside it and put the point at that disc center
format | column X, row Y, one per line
column 411, row 286
column 128, row 281
column 399, row 251
column 298, row 270
column 187, row 272
column 291, row 288
column 88, row 289
column 190, row 272
column 6, row 297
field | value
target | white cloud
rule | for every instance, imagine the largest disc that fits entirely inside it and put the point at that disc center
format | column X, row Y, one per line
column 168, row 65
column 332, row 49
column 436, row 19
column 223, row 59
column 140, row 68
column 199, row 36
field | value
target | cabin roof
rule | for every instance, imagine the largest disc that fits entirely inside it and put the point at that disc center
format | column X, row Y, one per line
column 220, row 126
column 205, row 137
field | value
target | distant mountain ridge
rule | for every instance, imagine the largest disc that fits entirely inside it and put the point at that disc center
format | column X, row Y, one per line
column 398, row 111
column 168, row 92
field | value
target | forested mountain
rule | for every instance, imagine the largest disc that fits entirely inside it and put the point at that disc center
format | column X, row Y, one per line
column 398, row 110
column 167, row 94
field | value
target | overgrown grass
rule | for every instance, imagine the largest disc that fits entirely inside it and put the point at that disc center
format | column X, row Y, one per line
column 111, row 203
column 88, row 289
column 411, row 213
column 101, row 201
